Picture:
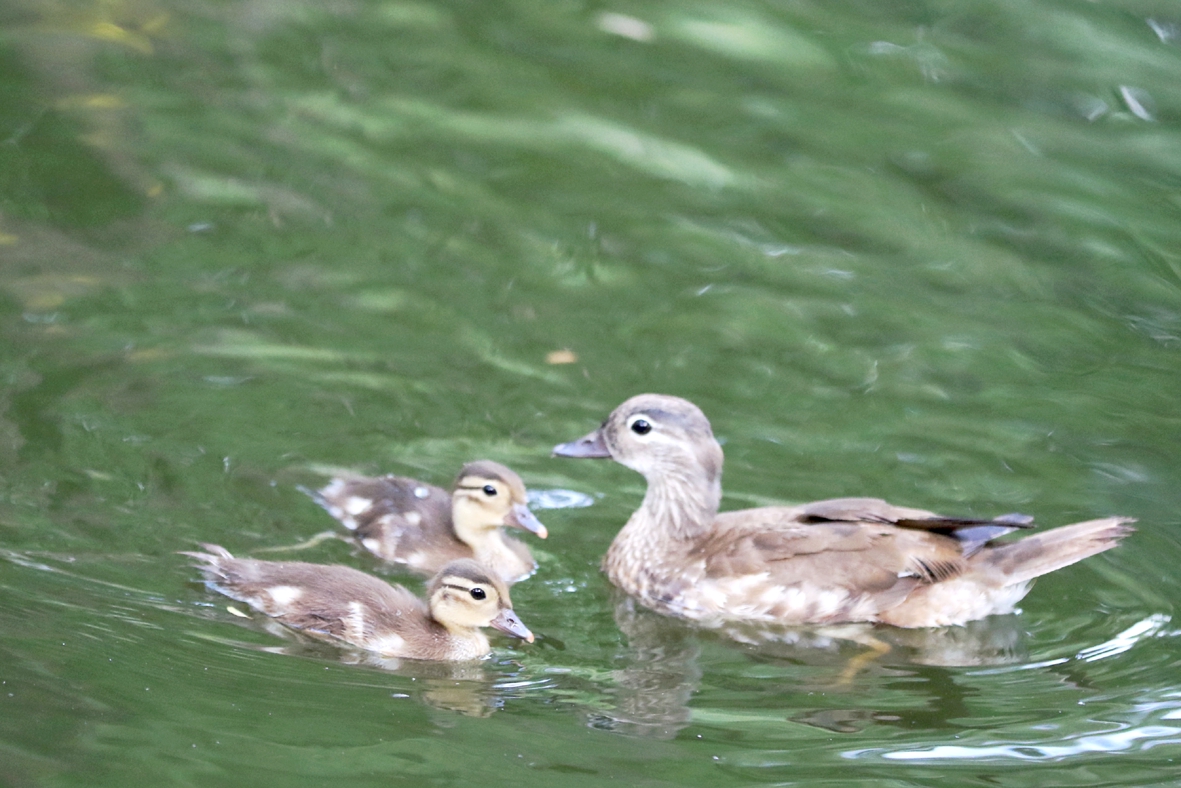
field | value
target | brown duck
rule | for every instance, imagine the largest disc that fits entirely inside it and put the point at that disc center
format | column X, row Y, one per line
column 835, row 561
column 409, row 522
column 343, row 604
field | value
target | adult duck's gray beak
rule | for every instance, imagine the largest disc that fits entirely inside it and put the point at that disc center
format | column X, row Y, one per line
column 506, row 621
column 588, row 447
column 520, row 517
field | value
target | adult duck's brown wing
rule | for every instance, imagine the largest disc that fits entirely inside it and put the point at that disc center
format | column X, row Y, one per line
column 972, row 533
column 337, row 601
column 795, row 547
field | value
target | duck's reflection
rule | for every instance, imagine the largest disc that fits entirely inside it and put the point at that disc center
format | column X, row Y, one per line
column 652, row 691
column 467, row 688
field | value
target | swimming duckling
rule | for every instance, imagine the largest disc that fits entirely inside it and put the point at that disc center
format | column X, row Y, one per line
column 834, row 561
column 406, row 521
column 344, row 604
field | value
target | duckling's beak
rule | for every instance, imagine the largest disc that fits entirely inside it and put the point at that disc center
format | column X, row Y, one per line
column 506, row 621
column 588, row 447
column 520, row 517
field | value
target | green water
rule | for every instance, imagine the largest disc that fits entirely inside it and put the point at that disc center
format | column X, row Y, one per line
column 924, row 251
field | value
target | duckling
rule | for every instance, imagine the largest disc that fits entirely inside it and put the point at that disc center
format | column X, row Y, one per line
column 828, row 562
column 344, row 604
column 406, row 521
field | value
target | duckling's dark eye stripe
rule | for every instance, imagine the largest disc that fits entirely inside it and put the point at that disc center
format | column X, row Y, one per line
column 465, row 589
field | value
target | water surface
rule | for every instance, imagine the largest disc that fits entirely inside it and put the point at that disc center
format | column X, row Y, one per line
column 923, row 251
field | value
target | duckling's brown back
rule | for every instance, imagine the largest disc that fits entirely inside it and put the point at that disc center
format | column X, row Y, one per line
column 397, row 518
column 337, row 601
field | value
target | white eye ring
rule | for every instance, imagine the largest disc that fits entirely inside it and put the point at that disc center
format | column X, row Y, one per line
column 640, row 425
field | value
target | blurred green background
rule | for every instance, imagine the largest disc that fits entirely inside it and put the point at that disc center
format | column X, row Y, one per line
column 926, row 251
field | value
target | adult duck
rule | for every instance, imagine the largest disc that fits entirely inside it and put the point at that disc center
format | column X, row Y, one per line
column 827, row 562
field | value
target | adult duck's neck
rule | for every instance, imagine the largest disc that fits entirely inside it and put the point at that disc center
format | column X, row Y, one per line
column 676, row 512
column 680, row 504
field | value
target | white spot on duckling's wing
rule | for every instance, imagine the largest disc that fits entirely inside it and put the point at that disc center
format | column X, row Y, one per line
column 414, row 518
column 422, row 492
column 284, row 596
column 388, row 645
column 356, row 505
column 371, row 544
column 354, row 623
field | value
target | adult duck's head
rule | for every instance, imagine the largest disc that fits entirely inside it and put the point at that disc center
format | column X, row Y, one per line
column 663, row 437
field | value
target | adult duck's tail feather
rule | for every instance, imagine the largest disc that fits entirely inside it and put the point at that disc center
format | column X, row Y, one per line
column 1039, row 554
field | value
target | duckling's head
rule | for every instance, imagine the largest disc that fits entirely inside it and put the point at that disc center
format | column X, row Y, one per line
column 487, row 496
column 464, row 596
column 657, row 435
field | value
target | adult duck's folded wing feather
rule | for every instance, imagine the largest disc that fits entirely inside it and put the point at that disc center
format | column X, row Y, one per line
column 858, row 556
column 974, row 533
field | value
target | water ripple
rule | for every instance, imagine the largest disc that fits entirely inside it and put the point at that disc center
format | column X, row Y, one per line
column 559, row 499
column 1152, row 626
column 1117, row 741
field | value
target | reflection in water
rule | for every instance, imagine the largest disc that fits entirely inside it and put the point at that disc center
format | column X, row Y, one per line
column 995, row 640
column 464, row 687
column 651, row 693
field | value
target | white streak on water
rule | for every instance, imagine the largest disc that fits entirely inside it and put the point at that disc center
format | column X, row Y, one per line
column 1146, row 628
column 1116, row 741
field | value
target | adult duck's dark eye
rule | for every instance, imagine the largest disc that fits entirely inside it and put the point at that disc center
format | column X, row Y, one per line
column 641, row 427
column 489, row 490
column 478, row 593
